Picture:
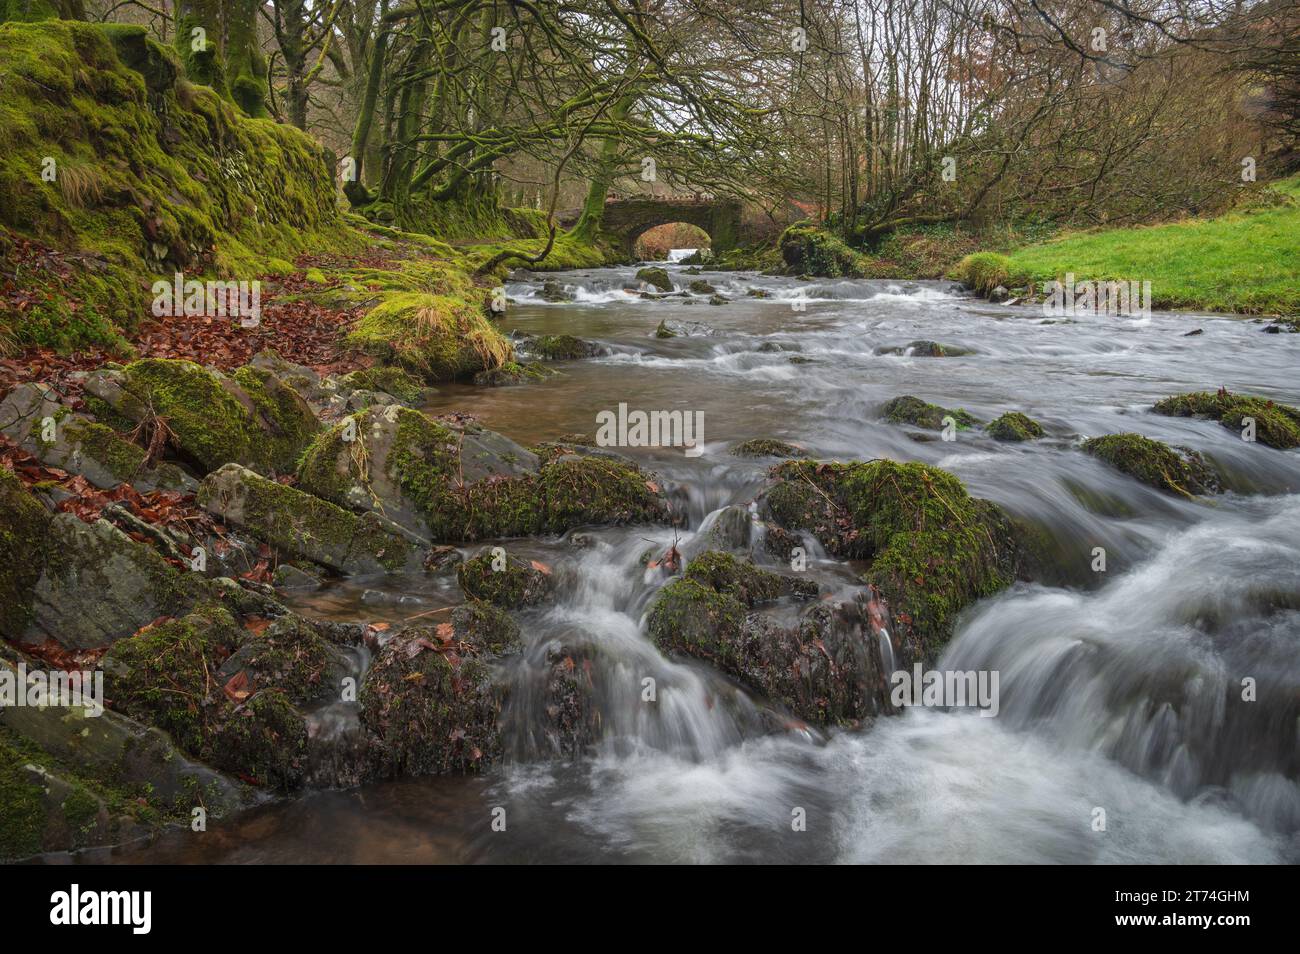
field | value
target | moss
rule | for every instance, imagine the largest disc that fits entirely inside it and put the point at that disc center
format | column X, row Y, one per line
column 165, row 676
column 1014, row 426
column 933, row 548
column 391, row 380
column 985, row 271
column 439, row 337
column 293, row 657
column 810, row 250
column 594, row 490
column 912, row 410
column 516, row 584
column 100, row 442
column 1276, row 425
column 486, row 626
column 22, row 807
column 153, row 176
column 560, row 347
column 509, row 373
column 657, row 277
column 700, row 287
column 724, row 573
column 24, row 528
column 284, row 416
column 1181, row 471
column 693, row 618
column 767, row 447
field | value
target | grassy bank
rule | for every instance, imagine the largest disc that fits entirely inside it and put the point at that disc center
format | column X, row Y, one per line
column 1246, row 261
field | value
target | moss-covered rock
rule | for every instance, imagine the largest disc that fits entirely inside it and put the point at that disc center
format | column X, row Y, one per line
column 164, row 676
column 555, row 347
column 452, row 480
column 512, row 372
column 767, row 447
column 912, row 410
column 503, row 580
column 1277, row 425
column 1180, row 471
column 1014, row 426
column 24, row 535
column 430, row 702
column 986, row 271
column 254, row 419
column 439, row 334
column 933, row 549
column 657, row 277
column 809, row 250
column 97, row 585
column 33, row 418
column 307, row 526
column 390, row 380
column 700, row 287
column 926, row 349
column 825, row 668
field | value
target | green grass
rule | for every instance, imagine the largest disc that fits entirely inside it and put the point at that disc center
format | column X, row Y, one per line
column 1245, row 261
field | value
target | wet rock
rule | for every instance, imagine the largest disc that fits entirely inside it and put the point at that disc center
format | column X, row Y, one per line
column 1276, row 425
column 252, row 418
column 932, row 548
column 555, row 292
column 813, row 251
column 453, row 480
column 999, row 294
column 504, row 580
column 430, row 702
column 510, row 373
column 767, row 447
column 912, row 410
column 1179, row 471
column 657, row 277
column 683, row 329
column 926, row 349
column 825, row 668
column 403, row 386
column 758, row 293
column 777, row 347
column 556, row 347
column 306, row 526
column 1193, row 332
column 1014, row 426
column 732, row 529
column 718, row 300
column 289, row 577
column 32, row 417
column 701, row 287
column 24, row 530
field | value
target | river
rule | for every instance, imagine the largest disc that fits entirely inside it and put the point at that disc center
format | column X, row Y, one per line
column 1113, row 684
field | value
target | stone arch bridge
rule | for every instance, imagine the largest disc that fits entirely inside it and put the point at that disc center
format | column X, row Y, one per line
column 627, row 217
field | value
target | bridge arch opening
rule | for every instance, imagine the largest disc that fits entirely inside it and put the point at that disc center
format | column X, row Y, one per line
column 657, row 242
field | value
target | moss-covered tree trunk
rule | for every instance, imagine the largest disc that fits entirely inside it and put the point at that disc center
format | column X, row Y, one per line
column 217, row 43
column 593, row 207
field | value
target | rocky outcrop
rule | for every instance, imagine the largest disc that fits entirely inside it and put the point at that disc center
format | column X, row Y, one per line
column 306, row 526
column 453, row 480
column 253, row 418
column 34, row 419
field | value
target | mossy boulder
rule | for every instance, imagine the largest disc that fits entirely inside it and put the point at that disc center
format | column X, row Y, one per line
column 908, row 409
column 452, row 480
column 32, row 417
column 390, row 380
column 253, row 419
column 306, row 526
column 164, row 676
column 809, row 250
column 1179, row 471
column 767, row 447
column 504, row 580
column 987, row 271
column 430, row 702
column 1276, row 425
column 932, row 548
column 657, row 277
column 1014, row 426
column 438, row 335
column 556, row 347
column 824, row 668
column 96, row 585
column 700, row 287
column 926, row 349
column 512, row 372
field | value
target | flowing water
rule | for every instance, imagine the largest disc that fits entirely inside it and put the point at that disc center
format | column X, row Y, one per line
column 1120, row 690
